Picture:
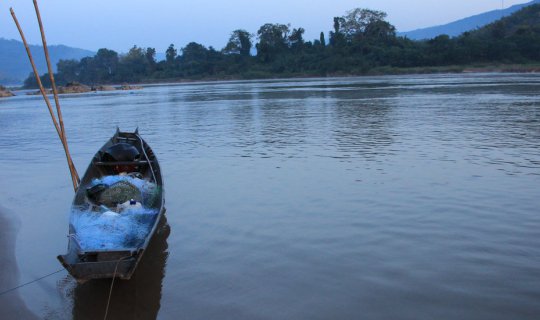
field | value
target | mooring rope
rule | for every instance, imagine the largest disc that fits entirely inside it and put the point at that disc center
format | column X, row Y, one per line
column 30, row 282
column 112, row 284
column 60, row 270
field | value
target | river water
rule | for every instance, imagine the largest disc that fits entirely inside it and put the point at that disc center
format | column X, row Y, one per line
column 397, row 197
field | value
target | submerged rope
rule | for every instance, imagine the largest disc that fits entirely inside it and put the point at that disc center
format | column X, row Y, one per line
column 112, row 284
column 30, row 282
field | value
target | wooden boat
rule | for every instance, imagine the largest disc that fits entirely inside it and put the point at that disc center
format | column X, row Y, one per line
column 107, row 235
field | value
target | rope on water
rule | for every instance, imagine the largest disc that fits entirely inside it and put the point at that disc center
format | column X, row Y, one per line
column 30, row 282
column 112, row 284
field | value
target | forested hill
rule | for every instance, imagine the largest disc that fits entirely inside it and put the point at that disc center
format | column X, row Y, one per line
column 512, row 39
column 362, row 42
column 15, row 66
column 525, row 22
column 456, row 28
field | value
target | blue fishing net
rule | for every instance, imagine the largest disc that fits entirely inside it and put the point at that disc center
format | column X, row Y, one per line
column 103, row 228
column 111, row 230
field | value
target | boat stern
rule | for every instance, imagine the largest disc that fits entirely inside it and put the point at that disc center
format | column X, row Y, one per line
column 100, row 265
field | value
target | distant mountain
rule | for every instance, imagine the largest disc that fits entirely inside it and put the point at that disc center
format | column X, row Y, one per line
column 456, row 28
column 15, row 66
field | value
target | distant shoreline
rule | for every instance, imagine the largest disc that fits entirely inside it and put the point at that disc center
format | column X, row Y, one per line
column 380, row 71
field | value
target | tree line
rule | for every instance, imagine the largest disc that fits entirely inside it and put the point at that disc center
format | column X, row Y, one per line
column 361, row 41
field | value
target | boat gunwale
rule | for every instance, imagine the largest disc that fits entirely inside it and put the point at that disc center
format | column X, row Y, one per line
column 135, row 253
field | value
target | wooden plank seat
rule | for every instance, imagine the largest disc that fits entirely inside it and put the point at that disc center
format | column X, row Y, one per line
column 120, row 163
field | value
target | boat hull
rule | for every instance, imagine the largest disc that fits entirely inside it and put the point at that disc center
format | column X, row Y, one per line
column 86, row 264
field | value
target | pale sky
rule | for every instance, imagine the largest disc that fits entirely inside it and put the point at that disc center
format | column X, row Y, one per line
column 120, row 24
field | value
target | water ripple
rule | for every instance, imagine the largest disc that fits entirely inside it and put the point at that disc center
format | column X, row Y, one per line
column 410, row 197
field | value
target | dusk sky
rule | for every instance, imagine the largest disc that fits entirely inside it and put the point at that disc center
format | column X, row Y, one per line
column 120, row 24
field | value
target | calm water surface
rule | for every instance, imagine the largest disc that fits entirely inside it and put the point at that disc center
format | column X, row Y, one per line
column 413, row 197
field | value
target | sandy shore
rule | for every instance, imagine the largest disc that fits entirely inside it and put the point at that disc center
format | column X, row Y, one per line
column 11, row 304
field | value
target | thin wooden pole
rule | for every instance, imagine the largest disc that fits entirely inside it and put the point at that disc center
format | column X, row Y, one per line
column 44, row 94
column 55, row 91
column 51, row 74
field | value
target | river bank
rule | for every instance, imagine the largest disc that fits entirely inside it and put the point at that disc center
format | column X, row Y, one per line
column 70, row 88
column 4, row 92
column 11, row 304
column 380, row 71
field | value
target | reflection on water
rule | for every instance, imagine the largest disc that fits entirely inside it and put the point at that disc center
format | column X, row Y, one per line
column 399, row 197
column 363, row 129
column 138, row 298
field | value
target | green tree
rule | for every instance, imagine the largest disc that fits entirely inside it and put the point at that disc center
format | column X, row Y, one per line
column 68, row 71
column 440, row 50
column 194, row 51
column 133, row 65
column 337, row 38
column 87, row 71
column 322, row 40
column 170, row 54
column 105, row 63
column 239, row 43
column 296, row 39
column 272, row 41
column 357, row 21
column 150, row 55
column 380, row 30
column 194, row 60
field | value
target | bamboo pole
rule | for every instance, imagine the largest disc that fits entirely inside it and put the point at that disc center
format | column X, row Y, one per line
column 44, row 94
column 72, row 168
